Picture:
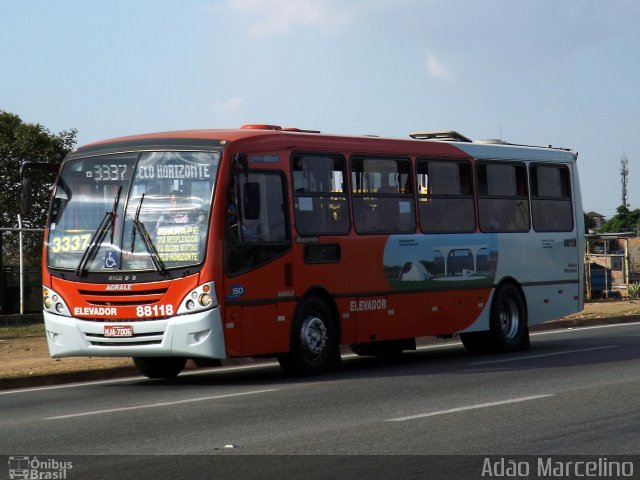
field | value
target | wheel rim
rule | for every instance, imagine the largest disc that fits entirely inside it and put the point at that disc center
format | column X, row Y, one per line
column 314, row 336
column 509, row 318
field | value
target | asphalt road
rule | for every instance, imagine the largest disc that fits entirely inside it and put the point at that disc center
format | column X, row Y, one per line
column 428, row 414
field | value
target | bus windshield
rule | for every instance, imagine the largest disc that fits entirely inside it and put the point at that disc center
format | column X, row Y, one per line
column 132, row 211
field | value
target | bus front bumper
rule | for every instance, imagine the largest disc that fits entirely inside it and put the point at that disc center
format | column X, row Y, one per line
column 197, row 335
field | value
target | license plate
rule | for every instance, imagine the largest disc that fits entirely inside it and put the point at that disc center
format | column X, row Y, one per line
column 118, row 331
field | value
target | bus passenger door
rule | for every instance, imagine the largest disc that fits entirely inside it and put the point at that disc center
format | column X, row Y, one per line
column 257, row 252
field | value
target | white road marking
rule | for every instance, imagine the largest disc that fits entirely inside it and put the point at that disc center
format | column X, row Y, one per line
column 135, row 378
column 270, row 364
column 582, row 329
column 161, row 404
column 469, row 407
column 70, row 385
column 542, row 355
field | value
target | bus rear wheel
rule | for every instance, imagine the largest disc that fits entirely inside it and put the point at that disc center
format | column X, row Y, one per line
column 160, row 367
column 508, row 322
column 509, row 330
column 314, row 340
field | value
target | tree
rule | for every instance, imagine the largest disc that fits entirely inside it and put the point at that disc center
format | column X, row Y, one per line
column 589, row 223
column 20, row 142
column 624, row 220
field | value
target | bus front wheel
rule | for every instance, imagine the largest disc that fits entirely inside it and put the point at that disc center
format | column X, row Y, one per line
column 159, row 367
column 314, row 340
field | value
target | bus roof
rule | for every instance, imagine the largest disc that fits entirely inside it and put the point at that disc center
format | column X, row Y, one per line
column 272, row 136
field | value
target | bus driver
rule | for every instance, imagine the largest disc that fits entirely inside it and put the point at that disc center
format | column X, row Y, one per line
column 177, row 212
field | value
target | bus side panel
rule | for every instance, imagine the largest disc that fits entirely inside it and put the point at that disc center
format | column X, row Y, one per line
column 435, row 313
column 356, row 281
column 257, row 329
column 347, row 319
column 579, row 221
column 404, row 286
column 546, row 266
column 546, row 304
column 232, row 330
column 372, row 318
column 259, row 309
column 441, row 281
column 263, row 330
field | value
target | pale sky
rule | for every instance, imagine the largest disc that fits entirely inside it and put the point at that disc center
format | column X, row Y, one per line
column 540, row 72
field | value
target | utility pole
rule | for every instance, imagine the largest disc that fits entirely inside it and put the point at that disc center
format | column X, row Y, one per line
column 624, row 174
column 20, row 251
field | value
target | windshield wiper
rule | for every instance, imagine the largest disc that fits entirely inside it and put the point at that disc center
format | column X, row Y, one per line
column 98, row 236
column 158, row 264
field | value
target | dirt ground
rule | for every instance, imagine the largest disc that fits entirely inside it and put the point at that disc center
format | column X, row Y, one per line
column 607, row 309
column 24, row 355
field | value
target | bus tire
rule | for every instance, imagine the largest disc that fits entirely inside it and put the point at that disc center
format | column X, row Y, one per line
column 509, row 331
column 314, row 341
column 160, row 367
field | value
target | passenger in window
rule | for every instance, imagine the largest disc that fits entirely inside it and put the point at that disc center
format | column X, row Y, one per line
column 520, row 217
column 520, row 214
column 508, row 216
column 177, row 213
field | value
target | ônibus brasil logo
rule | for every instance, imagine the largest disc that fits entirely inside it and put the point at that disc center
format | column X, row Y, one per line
column 28, row 468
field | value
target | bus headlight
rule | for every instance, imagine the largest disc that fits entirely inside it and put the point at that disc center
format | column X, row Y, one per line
column 205, row 300
column 201, row 298
column 54, row 303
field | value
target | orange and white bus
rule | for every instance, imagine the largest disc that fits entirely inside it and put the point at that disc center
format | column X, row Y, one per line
column 267, row 241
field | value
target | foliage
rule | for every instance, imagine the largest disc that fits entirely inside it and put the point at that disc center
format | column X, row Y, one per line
column 589, row 223
column 634, row 290
column 20, row 142
column 624, row 220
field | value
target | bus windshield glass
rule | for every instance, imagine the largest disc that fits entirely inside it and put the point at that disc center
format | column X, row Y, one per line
column 132, row 212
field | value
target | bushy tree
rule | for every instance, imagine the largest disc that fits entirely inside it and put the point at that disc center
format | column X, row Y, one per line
column 589, row 223
column 20, row 142
column 624, row 220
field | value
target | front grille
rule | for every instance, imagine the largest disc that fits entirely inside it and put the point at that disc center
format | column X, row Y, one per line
column 140, row 296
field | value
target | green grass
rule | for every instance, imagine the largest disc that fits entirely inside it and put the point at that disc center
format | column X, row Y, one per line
column 36, row 330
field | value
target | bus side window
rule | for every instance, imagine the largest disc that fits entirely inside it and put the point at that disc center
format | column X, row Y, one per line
column 445, row 196
column 320, row 202
column 382, row 195
column 503, row 201
column 257, row 228
column 551, row 206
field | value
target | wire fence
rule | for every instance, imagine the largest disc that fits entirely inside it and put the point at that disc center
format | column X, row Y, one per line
column 20, row 270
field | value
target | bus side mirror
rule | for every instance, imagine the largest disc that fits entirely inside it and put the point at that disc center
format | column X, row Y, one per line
column 240, row 163
column 251, row 204
column 25, row 196
column 43, row 171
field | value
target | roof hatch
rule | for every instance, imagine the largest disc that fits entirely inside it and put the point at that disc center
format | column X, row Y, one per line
column 441, row 135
